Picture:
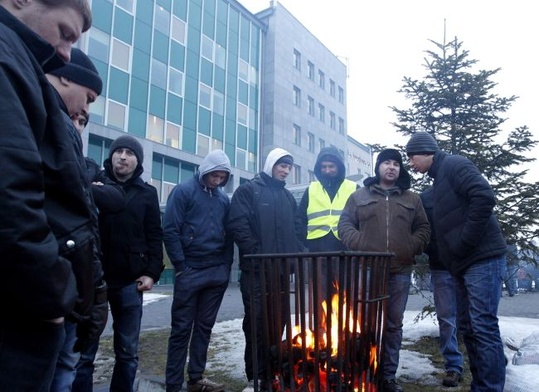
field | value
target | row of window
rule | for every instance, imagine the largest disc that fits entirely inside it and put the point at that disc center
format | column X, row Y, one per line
column 333, row 123
column 321, row 77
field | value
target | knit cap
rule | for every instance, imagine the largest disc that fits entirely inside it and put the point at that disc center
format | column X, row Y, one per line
column 421, row 143
column 126, row 141
column 81, row 70
column 286, row 159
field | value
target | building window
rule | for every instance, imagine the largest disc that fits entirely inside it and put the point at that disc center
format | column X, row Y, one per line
column 155, row 128
column 297, row 97
column 341, row 126
column 341, row 95
column 159, row 74
column 321, row 113
column 178, row 30
column 207, row 48
column 218, row 102
column 310, row 109
column 120, row 55
column 296, row 174
column 241, row 157
column 310, row 70
column 203, row 145
column 297, row 60
column 242, row 114
column 162, row 20
column 332, row 120
column 172, row 137
column 116, row 115
column 321, row 80
column 98, row 45
column 204, row 96
column 126, row 5
column 97, row 110
column 296, row 129
column 312, row 176
column 322, row 143
column 332, row 88
column 175, row 82
column 310, row 137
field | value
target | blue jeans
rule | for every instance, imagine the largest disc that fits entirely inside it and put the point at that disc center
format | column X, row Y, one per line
column 479, row 290
column 65, row 372
column 28, row 354
column 198, row 293
column 445, row 300
column 399, row 287
column 126, row 310
column 511, row 280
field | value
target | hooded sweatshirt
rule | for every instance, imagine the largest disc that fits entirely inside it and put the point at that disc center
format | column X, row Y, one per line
column 195, row 219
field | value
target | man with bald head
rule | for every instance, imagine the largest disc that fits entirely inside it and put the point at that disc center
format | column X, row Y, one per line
column 44, row 209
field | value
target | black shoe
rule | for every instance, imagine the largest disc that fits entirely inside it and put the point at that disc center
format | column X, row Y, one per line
column 391, row 386
column 452, row 379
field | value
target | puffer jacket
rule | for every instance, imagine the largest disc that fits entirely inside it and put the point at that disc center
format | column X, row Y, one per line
column 374, row 220
column 194, row 224
column 463, row 214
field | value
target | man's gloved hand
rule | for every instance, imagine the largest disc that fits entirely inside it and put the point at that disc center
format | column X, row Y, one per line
column 90, row 329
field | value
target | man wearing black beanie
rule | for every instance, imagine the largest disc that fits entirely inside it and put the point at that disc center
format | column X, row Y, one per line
column 472, row 247
column 385, row 216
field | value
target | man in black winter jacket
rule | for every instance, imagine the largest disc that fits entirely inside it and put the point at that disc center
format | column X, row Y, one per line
column 132, row 247
column 261, row 220
column 45, row 218
column 471, row 246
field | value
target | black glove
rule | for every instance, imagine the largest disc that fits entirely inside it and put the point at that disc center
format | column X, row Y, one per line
column 90, row 329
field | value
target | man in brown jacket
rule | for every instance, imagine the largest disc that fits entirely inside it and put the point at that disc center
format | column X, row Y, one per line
column 385, row 216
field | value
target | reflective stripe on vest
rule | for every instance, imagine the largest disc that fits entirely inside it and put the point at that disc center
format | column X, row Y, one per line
column 322, row 213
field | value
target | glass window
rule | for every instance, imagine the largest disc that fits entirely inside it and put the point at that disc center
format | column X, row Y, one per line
column 310, row 108
column 162, row 20
column 296, row 174
column 220, row 56
column 175, row 82
column 204, row 96
column 332, row 120
column 172, row 137
column 203, row 145
column 321, row 113
column 310, row 136
column 311, row 176
column 297, row 60
column 216, row 144
column 126, row 5
column 242, row 114
column 218, row 103
column 155, row 128
column 243, row 71
column 341, row 95
column 116, row 115
column 207, row 48
column 297, row 97
column 121, row 55
column 159, row 74
column 332, row 88
column 341, row 126
column 322, row 143
column 310, row 70
column 241, row 158
column 321, row 80
column 296, row 131
column 178, row 30
column 98, row 45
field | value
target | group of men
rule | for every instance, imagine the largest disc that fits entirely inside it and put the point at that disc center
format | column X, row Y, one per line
column 81, row 239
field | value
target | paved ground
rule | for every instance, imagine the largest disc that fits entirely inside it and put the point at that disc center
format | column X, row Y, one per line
column 157, row 314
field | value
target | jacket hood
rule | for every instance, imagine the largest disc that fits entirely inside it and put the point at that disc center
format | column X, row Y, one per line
column 216, row 160
column 330, row 154
column 273, row 156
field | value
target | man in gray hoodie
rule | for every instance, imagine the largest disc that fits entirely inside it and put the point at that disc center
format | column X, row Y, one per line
column 194, row 233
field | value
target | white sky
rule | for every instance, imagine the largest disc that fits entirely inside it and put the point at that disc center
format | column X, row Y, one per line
column 228, row 343
column 384, row 41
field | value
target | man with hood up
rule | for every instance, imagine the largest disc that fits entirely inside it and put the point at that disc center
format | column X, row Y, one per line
column 262, row 221
column 201, row 252
column 385, row 216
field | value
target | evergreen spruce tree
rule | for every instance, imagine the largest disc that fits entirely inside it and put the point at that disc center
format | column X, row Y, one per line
column 465, row 116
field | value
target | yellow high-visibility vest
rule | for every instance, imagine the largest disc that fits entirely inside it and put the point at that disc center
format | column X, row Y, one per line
column 322, row 213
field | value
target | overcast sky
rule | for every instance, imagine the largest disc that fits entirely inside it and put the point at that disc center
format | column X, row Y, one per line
column 384, row 41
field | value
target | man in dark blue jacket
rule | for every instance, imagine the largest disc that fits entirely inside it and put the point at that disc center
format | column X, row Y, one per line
column 198, row 246
column 472, row 248
column 45, row 220
column 132, row 247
